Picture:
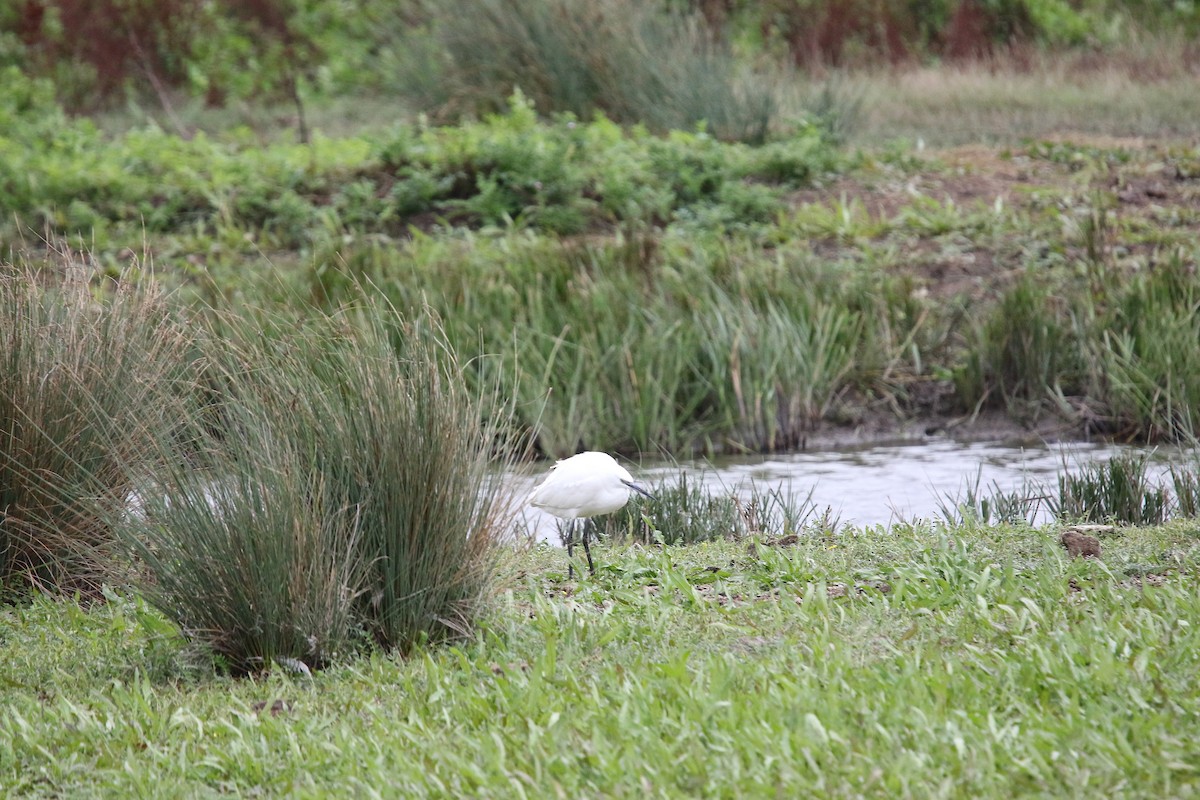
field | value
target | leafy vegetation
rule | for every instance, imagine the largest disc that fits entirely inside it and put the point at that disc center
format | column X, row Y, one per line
column 857, row 662
column 292, row 462
column 634, row 292
column 563, row 177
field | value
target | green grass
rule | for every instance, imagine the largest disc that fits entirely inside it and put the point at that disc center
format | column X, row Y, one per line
column 685, row 511
column 1023, row 355
column 915, row 662
column 1119, row 490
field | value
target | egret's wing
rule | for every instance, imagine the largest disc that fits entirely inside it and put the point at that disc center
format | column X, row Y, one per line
column 561, row 492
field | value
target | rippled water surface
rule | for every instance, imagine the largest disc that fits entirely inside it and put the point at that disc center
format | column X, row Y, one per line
column 879, row 485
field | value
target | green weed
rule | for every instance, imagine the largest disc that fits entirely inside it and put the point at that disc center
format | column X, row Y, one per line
column 978, row 652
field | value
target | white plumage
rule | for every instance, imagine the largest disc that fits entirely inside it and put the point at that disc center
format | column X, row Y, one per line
column 585, row 485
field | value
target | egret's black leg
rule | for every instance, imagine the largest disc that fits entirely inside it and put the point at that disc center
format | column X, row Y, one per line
column 588, row 550
column 571, row 550
column 592, row 567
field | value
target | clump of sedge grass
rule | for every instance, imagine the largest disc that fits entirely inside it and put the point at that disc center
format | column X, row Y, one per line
column 1185, row 481
column 1144, row 359
column 1022, row 355
column 399, row 434
column 348, row 485
column 245, row 545
column 1117, row 490
column 997, row 507
column 82, row 370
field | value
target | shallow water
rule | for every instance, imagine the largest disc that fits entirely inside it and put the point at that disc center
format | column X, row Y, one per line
column 879, row 485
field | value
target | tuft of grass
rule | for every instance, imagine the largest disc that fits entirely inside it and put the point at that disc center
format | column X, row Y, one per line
column 1185, row 480
column 686, row 511
column 1144, row 360
column 997, row 507
column 780, row 368
column 1118, row 490
column 401, row 445
column 1023, row 354
column 244, row 544
column 82, row 371
column 635, row 62
column 338, row 486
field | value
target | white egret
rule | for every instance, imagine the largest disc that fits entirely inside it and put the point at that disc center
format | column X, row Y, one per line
column 582, row 486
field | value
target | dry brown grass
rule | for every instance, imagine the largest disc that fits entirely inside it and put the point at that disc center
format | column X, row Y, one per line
column 1147, row 89
column 83, row 368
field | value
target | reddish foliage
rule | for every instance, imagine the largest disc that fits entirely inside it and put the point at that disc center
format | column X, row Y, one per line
column 823, row 36
column 145, row 42
column 967, row 34
column 118, row 40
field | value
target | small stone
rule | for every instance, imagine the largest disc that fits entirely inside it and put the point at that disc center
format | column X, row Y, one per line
column 275, row 709
column 1080, row 544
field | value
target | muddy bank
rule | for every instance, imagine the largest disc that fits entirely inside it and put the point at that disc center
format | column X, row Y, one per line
column 885, row 428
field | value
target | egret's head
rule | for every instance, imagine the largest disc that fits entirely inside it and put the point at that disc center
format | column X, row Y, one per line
column 637, row 488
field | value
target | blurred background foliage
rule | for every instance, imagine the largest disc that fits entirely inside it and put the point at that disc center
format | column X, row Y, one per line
column 624, row 57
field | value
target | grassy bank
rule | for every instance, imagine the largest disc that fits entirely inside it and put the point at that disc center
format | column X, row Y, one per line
column 915, row 662
column 639, row 293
